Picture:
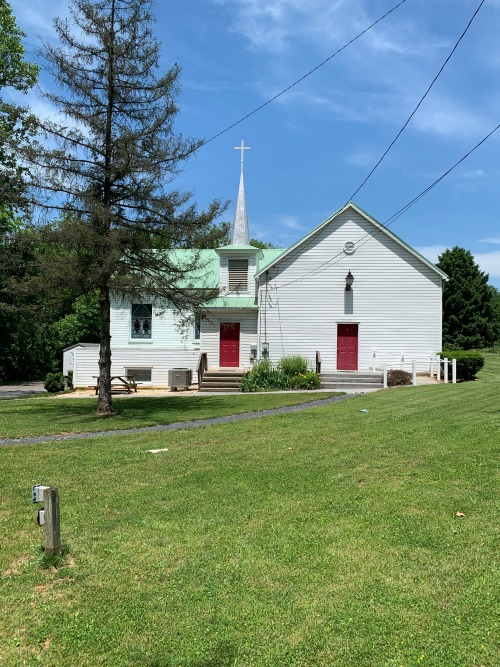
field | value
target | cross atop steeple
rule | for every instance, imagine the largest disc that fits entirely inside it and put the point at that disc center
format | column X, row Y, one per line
column 239, row 234
column 242, row 148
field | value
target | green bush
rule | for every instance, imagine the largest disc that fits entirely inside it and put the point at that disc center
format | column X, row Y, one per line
column 264, row 377
column 307, row 380
column 398, row 378
column 469, row 363
column 54, row 382
column 69, row 380
column 293, row 365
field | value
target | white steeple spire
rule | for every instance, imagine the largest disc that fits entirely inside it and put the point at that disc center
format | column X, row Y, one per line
column 239, row 233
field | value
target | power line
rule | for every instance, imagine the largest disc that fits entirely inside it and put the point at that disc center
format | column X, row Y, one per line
column 292, row 85
column 420, row 102
column 367, row 237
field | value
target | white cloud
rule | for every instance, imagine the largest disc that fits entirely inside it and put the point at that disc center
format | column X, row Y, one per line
column 431, row 252
column 290, row 222
column 491, row 239
column 36, row 16
column 489, row 262
column 364, row 159
column 271, row 24
column 475, row 173
column 443, row 116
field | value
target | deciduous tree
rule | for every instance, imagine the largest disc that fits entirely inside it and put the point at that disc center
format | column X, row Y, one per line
column 16, row 122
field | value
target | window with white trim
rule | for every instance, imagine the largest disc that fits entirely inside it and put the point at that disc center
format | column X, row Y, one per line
column 197, row 327
column 142, row 315
column 140, row 374
column 238, row 275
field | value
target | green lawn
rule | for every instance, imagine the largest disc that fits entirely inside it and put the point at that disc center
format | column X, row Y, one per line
column 53, row 415
column 323, row 538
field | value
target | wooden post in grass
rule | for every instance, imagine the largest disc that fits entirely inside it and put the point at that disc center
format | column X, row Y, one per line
column 454, row 371
column 52, row 521
column 445, row 372
column 385, row 375
column 414, row 372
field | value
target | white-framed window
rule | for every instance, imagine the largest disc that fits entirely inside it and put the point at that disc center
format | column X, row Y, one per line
column 197, row 327
column 141, row 324
column 237, row 275
column 140, row 374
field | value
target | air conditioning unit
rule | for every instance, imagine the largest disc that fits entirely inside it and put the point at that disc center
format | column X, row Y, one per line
column 180, row 378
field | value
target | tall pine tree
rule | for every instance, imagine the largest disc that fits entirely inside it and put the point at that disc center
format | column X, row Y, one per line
column 469, row 319
column 109, row 165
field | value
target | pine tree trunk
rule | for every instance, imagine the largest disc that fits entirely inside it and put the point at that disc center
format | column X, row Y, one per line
column 105, row 403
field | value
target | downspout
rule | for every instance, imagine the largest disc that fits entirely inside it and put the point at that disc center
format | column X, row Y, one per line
column 265, row 310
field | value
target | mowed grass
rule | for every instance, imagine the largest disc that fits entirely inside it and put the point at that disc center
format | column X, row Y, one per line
column 53, row 415
column 323, row 538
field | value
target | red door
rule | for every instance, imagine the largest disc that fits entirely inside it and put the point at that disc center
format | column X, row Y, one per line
column 347, row 347
column 229, row 349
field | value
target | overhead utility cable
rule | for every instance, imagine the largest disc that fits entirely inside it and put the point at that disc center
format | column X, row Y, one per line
column 292, row 85
column 420, row 102
column 367, row 237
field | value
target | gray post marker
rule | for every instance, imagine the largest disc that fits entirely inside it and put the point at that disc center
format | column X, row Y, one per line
column 52, row 521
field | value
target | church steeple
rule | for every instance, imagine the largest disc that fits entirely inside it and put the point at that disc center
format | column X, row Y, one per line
column 239, row 232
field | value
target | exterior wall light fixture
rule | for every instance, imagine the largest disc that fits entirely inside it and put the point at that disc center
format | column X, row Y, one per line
column 349, row 279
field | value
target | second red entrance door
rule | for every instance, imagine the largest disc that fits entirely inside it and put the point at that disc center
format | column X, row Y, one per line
column 229, row 347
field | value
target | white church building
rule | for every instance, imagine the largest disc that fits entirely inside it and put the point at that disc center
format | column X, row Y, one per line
column 350, row 290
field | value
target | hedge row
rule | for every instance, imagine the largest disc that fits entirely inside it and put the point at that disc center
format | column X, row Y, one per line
column 469, row 363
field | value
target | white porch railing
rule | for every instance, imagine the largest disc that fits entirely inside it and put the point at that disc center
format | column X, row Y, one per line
column 398, row 361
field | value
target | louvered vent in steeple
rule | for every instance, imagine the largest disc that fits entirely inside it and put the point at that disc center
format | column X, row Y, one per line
column 238, row 275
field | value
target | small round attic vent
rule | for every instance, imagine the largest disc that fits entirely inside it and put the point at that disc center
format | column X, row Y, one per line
column 349, row 247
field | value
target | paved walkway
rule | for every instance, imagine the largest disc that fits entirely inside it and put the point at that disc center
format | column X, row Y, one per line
column 178, row 426
column 18, row 389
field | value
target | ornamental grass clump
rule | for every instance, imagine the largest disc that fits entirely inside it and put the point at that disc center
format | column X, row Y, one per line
column 293, row 365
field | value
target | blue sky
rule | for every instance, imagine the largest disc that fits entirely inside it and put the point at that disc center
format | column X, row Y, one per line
column 313, row 147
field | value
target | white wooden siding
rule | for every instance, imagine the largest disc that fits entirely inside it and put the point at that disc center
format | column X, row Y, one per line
column 210, row 335
column 395, row 298
column 165, row 328
column 158, row 359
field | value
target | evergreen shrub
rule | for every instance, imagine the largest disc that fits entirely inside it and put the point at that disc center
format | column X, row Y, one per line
column 69, row 379
column 54, row 382
column 469, row 363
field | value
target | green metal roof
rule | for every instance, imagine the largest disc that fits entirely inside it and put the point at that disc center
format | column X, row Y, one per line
column 268, row 257
column 238, row 248
column 234, row 302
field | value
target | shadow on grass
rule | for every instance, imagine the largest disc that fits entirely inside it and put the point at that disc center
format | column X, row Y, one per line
column 52, row 416
column 223, row 655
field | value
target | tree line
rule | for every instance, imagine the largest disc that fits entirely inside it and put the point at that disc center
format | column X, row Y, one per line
column 88, row 202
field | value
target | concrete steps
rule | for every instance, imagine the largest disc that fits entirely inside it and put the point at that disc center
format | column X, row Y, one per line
column 222, row 381
column 353, row 381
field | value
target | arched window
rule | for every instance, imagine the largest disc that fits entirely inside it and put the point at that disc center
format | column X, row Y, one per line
column 142, row 314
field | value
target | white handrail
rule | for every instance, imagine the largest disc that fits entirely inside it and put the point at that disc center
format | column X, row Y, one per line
column 399, row 361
